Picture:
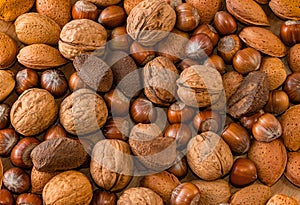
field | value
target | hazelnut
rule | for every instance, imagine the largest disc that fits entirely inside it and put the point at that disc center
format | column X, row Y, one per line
column 237, row 138
column 185, row 63
column 207, row 121
column 178, row 112
column 8, row 139
column 112, row 16
column 20, row 154
column 179, row 167
column 119, row 39
column 141, row 54
column 292, row 87
column 246, row 60
column 25, row 79
column 187, row 17
column 181, row 133
column 248, row 121
column 224, row 23
column 75, row 82
column 243, row 172
column 4, row 115
column 55, row 131
column 290, row 32
column 216, row 62
column 278, row 102
column 16, row 180
column 55, row 82
column 116, row 128
column 83, row 9
column 185, row 194
column 267, row 128
column 143, row 111
column 228, row 46
column 199, row 47
column 28, row 198
column 210, row 31
column 117, row 102
column 102, row 197
column 6, row 198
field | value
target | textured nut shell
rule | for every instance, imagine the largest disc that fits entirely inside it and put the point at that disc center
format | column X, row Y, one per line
column 254, row 194
column 138, row 196
column 275, row 70
column 81, row 36
column 286, row 9
column 111, row 165
column 58, row 10
column 209, row 156
column 36, row 28
column 292, row 171
column 290, row 127
column 163, row 183
column 1, row 172
column 8, row 51
column 150, row 21
column 294, row 58
column 263, row 40
column 281, row 199
column 40, row 57
column 68, row 188
column 11, row 9
column 58, row 154
column 248, row 12
column 206, row 9
column 160, row 76
column 231, row 81
column 40, row 179
column 270, row 160
column 33, row 112
column 262, row 1
column 213, row 192
column 83, row 112
column 104, row 3
column 7, row 83
column 130, row 4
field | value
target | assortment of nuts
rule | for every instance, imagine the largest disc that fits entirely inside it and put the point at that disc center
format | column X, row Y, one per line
column 149, row 102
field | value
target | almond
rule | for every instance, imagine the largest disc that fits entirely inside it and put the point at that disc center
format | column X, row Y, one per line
column 8, row 51
column 37, row 28
column 248, row 12
column 39, row 180
column 254, row 194
column 7, row 83
column 292, row 171
column 58, row 10
column 263, row 40
column 11, row 9
column 1, row 172
column 281, row 199
column 286, row 9
column 40, row 56
column 262, row 1
column 270, row 159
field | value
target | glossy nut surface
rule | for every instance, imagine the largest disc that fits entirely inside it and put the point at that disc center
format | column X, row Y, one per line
column 248, row 121
column 83, row 9
column 207, row 121
column 185, row 63
column 290, row 32
column 143, row 111
column 181, row 132
column 55, row 131
column 141, row 54
column 210, row 31
column 185, row 194
column 187, row 17
column 199, row 47
column 278, row 102
column 225, row 23
column 117, row 102
column 16, row 180
column 292, row 86
column 116, row 128
column 243, row 172
column 102, row 197
column 178, row 112
column 246, row 60
column 8, row 139
column 216, row 62
column 179, row 167
column 25, row 79
column 6, row 198
column 119, row 39
column 228, row 46
column 55, row 82
column 112, row 16
column 28, row 198
column 4, row 115
column 75, row 82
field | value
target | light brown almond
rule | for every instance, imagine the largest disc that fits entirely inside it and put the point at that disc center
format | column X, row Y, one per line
column 1, row 172
column 263, row 40
column 281, row 199
column 8, row 51
column 270, row 159
column 11, row 9
column 40, row 56
column 248, row 12
column 7, row 83
column 286, row 9
column 292, row 171
column 262, row 1
column 294, row 58
column 39, row 180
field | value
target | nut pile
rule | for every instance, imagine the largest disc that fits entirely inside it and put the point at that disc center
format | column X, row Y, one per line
column 149, row 102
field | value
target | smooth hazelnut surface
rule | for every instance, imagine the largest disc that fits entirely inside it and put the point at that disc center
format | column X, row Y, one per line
column 292, row 87
column 185, row 194
column 112, row 16
column 180, row 132
column 278, row 102
column 25, row 79
column 185, row 63
column 224, row 23
column 84, row 10
column 246, row 60
column 102, row 197
column 55, row 131
column 6, row 198
column 216, row 62
column 116, row 128
column 4, row 115
column 198, row 47
column 117, row 102
column 178, row 112
column 179, row 168
column 75, row 82
column 8, row 139
column 187, row 17
column 55, row 82
column 28, row 198
column 290, row 32
column 207, row 121
column 228, row 46
column 248, row 121
column 16, row 180
column 119, row 39
column 210, row 31
column 243, row 172
column 143, row 111
column 141, row 54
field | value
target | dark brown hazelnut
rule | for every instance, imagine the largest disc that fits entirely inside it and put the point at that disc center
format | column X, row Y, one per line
column 179, row 167
column 237, row 138
column 225, row 23
column 102, row 197
column 112, row 16
column 292, row 87
column 181, row 133
column 248, row 121
column 143, row 111
column 216, row 62
column 116, row 128
column 6, row 198
column 75, row 82
column 20, row 154
column 141, row 54
column 29, row 199
column 207, row 121
column 117, row 102
column 25, row 79
column 83, row 9
column 210, row 31
column 278, row 102
column 243, row 172
column 16, row 180
column 199, row 47
column 228, row 46
column 187, row 17
column 4, row 115
column 246, row 60
column 55, row 131
column 178, row 112
column 185, row 194
column 119, row 39
column 8, row 139
column 185, row 63
column 55, row 82
column 290, row 32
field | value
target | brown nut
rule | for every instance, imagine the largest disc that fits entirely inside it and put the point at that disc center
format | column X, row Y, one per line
column 141, row 54
column 178, row 112
column 26, row 79
column 55, row 82
column 8, row 51
column 84, row 10
column 187, row 17
column 231, row 81
column 278, row 102
column 290, row 32
column 6, row 197
column 246, row 60
column 16, row 180
column 199, row 47
column 104, row 3
column 293, row 58
column 119, row 39
column 143, row 111
column 102, row 197
column 292, row 168
column 207, row 121
column 209, row 31
column 228, row 46
column 4, row 116
column 243, row 172
column 28, row 198
column 292, row 88
column 185, row 63
column 8, row 139
column 179, row 167
column 216, row 62
column 139, row 195
column 185, row 194
column 55, row 131
column 112, row 16
column 117, row 102
column 248, row 121
column 10, row 10
column 7, row 83
column 181, row 133
column 282, row 199
column 116, row 128
column 75, row 82
column 225, row 23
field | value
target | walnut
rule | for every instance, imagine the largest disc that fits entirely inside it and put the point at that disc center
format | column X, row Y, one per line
column 68, row 188
column 160, row 77
column 139, row 196
column 150, row 21
column 33, row 112
column 83, row 112
column 200, row 86
column 111, row 164
column 209, row 156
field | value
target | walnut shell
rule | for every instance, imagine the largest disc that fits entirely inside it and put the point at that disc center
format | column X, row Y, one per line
column 138, row 196
column 8, row 51
column 7, row 83
column 200, row 86
column 111, row 164
column 33, row 112
column 82, row 36
column 209, row 156
column 68, row 188
column 40, row 179
column 150, row 21
column 83, row 112
column 160, row 77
